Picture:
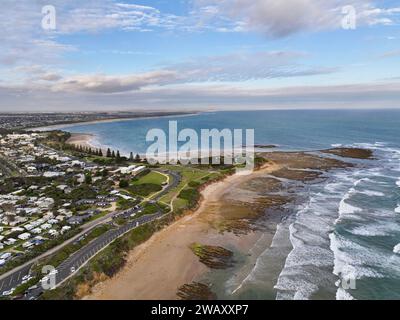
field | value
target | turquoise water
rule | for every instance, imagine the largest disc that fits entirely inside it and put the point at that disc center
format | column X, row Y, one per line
column 348, row 227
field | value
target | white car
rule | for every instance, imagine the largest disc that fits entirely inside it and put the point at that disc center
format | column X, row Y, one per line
column 8, row 293
column 54, row 272
column 27, row 278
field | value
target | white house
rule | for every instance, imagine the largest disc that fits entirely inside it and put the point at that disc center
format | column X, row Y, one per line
column 10, row 241
column 65, row 229
column 24, row 236
column 46, row 226
column 37, row 231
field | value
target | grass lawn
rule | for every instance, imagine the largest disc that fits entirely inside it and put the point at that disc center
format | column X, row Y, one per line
column 151, row 178
column 188, row 174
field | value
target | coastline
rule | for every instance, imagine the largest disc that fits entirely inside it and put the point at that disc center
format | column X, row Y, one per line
column 74, row 124
column 82, row 139
column 144, row 277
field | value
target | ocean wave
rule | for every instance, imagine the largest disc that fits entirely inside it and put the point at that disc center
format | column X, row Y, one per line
column 372, row 193
column 376, row 229
column 396, row 249
column 353, row 261
column 397, row 210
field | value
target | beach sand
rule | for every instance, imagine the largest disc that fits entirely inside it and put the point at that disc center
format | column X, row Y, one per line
column 156, row 269
column 81, row 139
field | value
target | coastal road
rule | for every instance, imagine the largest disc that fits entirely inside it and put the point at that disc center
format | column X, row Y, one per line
column 77, row 260
column 176, row 180
column 13, row 278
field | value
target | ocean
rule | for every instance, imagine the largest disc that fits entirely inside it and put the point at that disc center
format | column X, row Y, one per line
column 343, row 240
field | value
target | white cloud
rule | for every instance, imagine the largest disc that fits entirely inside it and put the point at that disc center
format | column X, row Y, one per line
column 277, row 18
column 236, row 67
column 204, row 97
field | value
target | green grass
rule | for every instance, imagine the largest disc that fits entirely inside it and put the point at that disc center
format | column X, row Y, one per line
column 189, row 174
column 152, row 178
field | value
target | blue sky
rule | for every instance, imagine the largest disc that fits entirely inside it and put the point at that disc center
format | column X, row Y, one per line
column 199, row 54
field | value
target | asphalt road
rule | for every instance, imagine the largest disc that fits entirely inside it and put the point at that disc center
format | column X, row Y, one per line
column 13, row 278
column 80, row 258
column 176, row 179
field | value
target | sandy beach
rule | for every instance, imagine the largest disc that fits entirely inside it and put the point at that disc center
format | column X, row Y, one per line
column 144, row 277
column 81, row 139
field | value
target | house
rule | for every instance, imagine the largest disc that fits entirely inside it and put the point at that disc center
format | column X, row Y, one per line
column 46, row 226
column 10, row 241
column 65, row 229
column 53, row 232
column 103, row 204
column 37, row 231
column 77, row 220
column 28, row 227
column 27, row 244
column 24, row 236
column 6, row 256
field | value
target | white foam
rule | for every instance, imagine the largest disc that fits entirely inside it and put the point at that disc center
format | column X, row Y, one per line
column 396, row 249
column 398, row 182
column 342, row 294
column 397, row 210
column 345, row 208
column 372, row 193
column 353, row 261
column 376, row 229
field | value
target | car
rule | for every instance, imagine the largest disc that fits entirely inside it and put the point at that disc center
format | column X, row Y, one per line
column 8, row 292
column 73, row 269
column 32, row 288
column 27, row 278
column 53, row 272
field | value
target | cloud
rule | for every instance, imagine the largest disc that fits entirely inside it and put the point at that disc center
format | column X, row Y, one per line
column 220, row 97
column 390, row 54
column 237, row 67
column 115, row 84
column 277, row 18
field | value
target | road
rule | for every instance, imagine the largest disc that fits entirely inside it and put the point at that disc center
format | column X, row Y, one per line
column 176, row 180
column 12, row 278
column 80, row 258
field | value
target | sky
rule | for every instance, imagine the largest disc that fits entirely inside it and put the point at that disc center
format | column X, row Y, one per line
column 123, row 55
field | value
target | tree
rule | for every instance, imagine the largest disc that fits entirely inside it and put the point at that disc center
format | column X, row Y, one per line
column 118, row 155
column 109, row 155
column 88, row 178
column 113, row 154
column 100, row 152
column 137, row 158
column 131, row 157
column 123, row 184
